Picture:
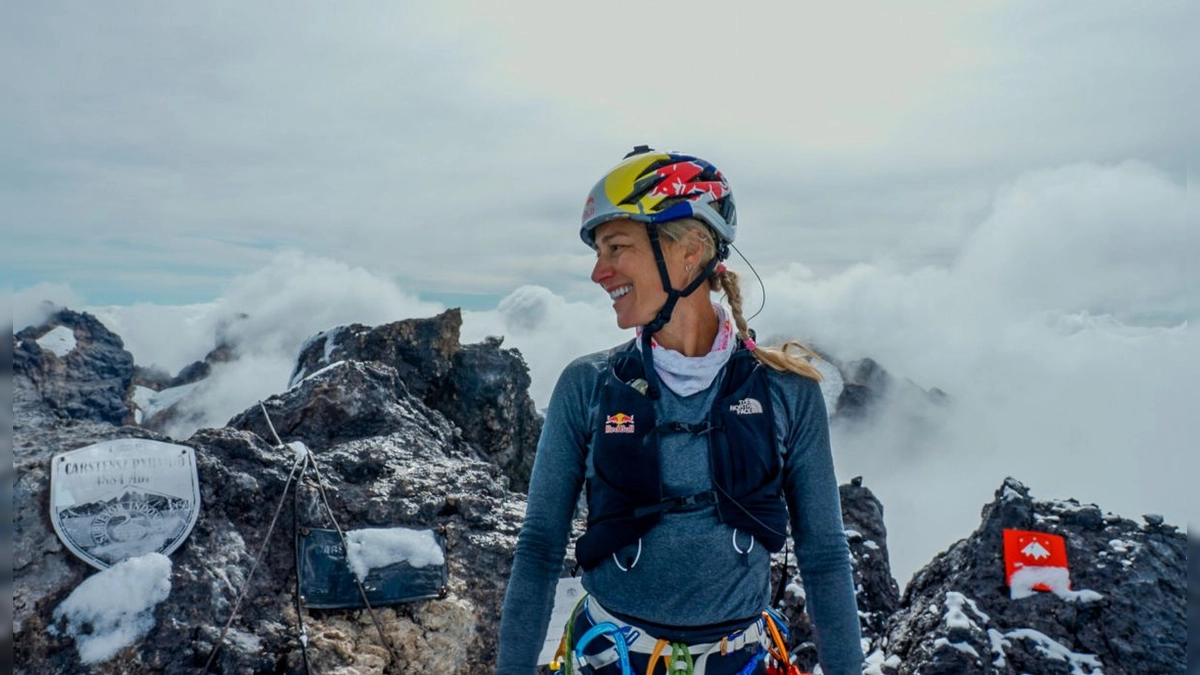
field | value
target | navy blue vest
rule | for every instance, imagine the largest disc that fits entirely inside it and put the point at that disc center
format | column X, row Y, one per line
column 625, row 497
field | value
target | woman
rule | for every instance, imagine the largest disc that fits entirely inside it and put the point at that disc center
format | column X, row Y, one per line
column 697, row 448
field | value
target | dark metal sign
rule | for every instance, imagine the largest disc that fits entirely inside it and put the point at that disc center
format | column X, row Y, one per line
column 124, row 498
column 327, row 582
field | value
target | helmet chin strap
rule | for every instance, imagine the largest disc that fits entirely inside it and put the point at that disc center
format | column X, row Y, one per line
column 664, row 314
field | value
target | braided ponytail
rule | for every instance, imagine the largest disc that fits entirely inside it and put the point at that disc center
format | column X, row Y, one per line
column 726, row 281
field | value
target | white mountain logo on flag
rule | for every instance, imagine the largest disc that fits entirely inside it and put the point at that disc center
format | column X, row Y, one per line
column 1035, row 550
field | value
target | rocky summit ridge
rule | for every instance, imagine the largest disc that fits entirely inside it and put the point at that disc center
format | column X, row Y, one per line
column 411, row 428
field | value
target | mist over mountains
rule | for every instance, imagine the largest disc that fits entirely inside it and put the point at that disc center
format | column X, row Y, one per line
column 1060, row 331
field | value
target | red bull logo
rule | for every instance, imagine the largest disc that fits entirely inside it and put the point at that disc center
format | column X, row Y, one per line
column 679, row 180
column 618, row 424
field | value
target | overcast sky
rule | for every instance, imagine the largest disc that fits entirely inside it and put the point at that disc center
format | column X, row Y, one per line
column 987, row 197
column 153, row 150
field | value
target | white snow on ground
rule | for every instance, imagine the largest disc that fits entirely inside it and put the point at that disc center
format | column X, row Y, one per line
column 301, row 378
column 331, row 342
column 876, row 661
column 1058, row 579
column 379, row 547
column 60, row 341
column 960, row 646
column 299, row 450
column 149, row 402
column 955, row 617
column 1053, row 650
column 113, row 609
column 1124, row 546
column 326, row 369
column 999, row 644
column 832, row 383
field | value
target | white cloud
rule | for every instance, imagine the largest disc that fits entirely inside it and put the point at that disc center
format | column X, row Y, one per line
column 1057, row 334
column 31, row 306
column 1086, row 237
column 549, row 330
column 399, row 138
column 1060, row 335
column 447, row 150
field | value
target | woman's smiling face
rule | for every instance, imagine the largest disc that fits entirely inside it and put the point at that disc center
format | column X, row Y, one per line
column 626, row 270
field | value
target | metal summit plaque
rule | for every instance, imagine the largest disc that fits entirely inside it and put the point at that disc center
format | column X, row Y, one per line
column 124, row 498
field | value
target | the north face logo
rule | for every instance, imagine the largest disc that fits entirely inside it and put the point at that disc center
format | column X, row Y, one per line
column 747, row 406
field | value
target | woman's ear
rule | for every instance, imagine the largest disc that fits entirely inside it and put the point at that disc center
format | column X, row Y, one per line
column 694, row 251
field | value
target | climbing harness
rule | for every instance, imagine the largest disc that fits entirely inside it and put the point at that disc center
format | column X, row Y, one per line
column 767, row 636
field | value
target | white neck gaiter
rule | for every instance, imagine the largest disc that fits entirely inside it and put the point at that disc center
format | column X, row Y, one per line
column 687, row 375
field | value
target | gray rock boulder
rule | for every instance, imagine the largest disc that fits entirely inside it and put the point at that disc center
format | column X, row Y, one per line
column 482, row 389
column 79, row 368
column 867, row 386
column 1127, row 614
column 416, row 474
column 876, row 590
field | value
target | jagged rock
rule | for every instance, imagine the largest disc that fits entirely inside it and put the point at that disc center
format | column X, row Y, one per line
column 867, row 386
column 421, row 350
column 876, row 590
column 415, row 475
column 486, row 393
column 79, row 368
column 482, row 388
column 957, row 616
column 399, row 429
column 1193, row 627
column 159, row 399
column 346, row 401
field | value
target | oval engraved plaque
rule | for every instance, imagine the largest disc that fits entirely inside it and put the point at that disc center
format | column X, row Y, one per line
column 124, row 498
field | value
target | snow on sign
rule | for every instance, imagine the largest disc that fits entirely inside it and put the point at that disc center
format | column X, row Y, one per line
column 1035, row 557
column 124, row 498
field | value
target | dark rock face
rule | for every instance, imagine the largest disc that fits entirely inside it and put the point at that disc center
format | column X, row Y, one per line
column 347, row 401
column 1193, row 628
column 877, row 593
column 481, row 388
column 410, row 428
column 486, row 393
column 868, row 385
column 956, row 615
column 416, row 475
column 91, row 381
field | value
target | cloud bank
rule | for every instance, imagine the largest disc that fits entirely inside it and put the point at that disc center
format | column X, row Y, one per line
column 1061, row 332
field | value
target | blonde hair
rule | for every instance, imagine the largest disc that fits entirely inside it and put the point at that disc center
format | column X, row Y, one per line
column 791, row 355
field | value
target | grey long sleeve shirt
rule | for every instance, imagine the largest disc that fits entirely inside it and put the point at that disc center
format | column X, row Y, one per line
column 693, row 570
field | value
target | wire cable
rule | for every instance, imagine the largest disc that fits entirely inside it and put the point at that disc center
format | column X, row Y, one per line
column 761, row 285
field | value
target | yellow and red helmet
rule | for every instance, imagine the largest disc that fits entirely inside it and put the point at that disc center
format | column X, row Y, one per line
column 651, row 186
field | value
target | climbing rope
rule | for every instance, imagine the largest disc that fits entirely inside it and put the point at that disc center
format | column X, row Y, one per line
column 303, row 463
column 262, row 549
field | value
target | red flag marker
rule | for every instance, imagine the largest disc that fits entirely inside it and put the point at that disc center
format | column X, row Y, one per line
column 1035, row 555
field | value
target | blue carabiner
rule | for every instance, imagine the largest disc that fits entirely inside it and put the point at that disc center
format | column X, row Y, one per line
column 607, row 628
column 780, row 622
